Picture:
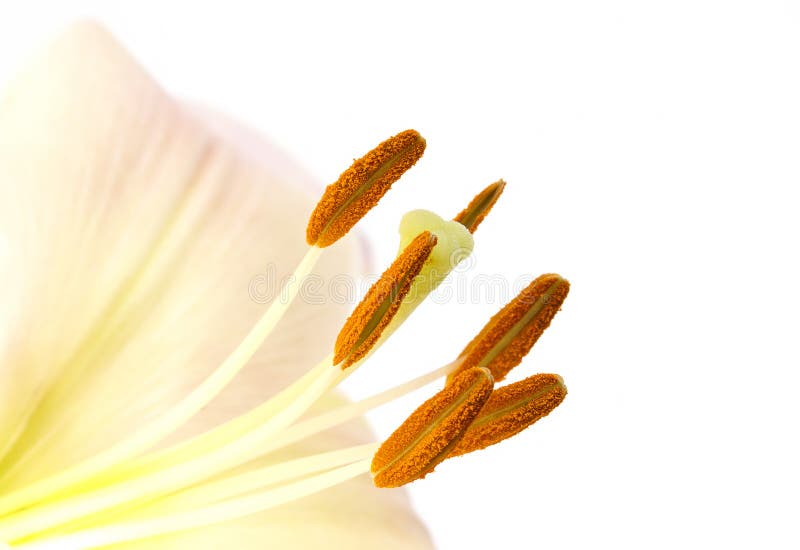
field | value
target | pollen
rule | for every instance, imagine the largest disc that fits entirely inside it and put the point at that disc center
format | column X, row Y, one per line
column 511, row 409
column 430, row 434
column 365, row 325
column 511, row 333
column 360, row 187
column 472, row 216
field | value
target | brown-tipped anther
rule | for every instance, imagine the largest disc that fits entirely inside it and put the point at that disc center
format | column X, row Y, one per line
column 511, row 333
column 472, row 216
column 361, row 186
column 511, row 409
column 431, row 433
column 365, row 325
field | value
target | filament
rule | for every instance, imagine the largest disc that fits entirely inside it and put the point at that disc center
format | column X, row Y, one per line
column 177, row 416
column 209, row 515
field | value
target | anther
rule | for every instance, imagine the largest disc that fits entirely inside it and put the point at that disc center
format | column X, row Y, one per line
column 511, row 333
column 511, row 409
column 430, row 434
column 472, row 216
column 361, row 186
column 365, row 325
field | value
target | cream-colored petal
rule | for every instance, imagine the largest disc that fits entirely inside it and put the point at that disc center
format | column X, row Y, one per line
column 133, row 234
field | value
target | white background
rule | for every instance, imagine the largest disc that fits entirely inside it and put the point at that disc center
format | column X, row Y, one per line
column 651, row 151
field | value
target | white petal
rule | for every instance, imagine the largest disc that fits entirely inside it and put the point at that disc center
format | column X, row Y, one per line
column 135, row 232
column 130, row 235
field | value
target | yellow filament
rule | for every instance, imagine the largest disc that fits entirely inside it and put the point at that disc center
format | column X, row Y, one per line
column 176, row 417
column 234, row 486
column 27, row 523
column 322, row 422
column 209, row 515
column 171, row 479
column 220, row 435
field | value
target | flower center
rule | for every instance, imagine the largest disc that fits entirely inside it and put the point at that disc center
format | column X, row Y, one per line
column 129, row 492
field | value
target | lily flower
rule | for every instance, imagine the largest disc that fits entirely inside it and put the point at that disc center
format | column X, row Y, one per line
column 146, row 399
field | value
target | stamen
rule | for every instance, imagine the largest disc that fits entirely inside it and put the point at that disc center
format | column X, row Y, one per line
column 364, row 326
column 122, row 494
column 511, row 409
column 511, row 333
column 248, row 422
column 361, row 186
column 431, row 432
column 472, row 216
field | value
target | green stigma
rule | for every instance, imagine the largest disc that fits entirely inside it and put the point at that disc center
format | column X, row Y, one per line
column 454, row 245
